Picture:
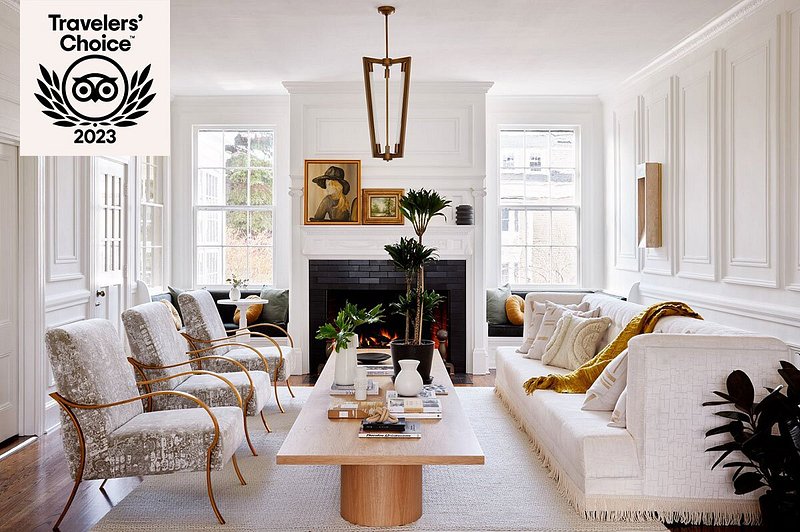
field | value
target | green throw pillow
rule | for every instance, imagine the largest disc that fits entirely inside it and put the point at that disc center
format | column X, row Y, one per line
column 277, row 310
column 496, row 305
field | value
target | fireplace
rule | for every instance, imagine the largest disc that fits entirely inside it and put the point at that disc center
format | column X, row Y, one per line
column 369, row 282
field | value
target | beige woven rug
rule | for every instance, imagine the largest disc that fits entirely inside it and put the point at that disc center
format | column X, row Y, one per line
column 512, row 491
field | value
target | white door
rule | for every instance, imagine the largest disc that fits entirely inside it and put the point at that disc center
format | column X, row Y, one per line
column 9, row 228
column 110, row 182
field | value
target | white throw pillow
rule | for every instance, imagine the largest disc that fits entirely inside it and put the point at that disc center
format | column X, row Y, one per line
column 533, row 327
column 604, row 393
column 619, row 414
column 552, row 314
column 574, row 341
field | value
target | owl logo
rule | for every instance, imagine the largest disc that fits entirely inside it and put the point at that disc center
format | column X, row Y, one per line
column 95, row 91
column 95, row 87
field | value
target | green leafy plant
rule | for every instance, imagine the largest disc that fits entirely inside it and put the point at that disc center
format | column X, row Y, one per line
column 410, row 256
column 236, row 282
column 344, row 326
column 764, row 434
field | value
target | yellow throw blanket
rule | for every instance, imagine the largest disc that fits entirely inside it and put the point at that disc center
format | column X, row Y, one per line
column 582, row 378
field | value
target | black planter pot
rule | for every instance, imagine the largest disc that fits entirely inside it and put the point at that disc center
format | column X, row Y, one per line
column 779, row 513
column 423, row 353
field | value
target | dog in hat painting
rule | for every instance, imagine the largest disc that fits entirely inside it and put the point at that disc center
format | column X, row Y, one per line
column 332, row 192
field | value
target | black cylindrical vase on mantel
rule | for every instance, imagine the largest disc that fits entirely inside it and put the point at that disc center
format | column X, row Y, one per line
column 423, row 352
column 465, row 215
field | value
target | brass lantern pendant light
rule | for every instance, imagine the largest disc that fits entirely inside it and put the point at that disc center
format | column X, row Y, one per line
column 387, row 102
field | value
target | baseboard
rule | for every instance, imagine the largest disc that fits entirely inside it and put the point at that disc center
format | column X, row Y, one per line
column 52, row 419
column 500, row 341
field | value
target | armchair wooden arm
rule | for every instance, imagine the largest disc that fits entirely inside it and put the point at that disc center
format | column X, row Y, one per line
column 68, row 405
column 278, row 327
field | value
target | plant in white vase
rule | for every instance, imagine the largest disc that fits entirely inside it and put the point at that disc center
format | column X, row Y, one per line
column 237, row 284
column 343, row 334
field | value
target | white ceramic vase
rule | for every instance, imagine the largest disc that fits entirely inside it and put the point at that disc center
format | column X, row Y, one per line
column 346, row 362
column 235, row 294
column 408, row 382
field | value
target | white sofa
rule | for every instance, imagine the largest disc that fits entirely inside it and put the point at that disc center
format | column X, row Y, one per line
column 657, row 467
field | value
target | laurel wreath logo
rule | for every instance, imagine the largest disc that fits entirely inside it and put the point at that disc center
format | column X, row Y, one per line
column 53, row 100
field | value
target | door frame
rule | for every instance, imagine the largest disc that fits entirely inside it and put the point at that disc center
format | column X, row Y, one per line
column 32, row 366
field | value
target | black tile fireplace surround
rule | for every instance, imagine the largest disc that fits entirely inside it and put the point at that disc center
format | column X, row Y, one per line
column 330, row 277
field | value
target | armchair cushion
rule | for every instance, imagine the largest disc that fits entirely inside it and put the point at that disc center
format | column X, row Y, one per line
column 202, row 319
column 168, row 441
column 89, row 367
column 154, row 341
column 214, row 391
column 253, row 362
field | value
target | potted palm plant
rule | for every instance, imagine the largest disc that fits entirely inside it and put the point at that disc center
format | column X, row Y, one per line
column 765, row 435
column 410, row 256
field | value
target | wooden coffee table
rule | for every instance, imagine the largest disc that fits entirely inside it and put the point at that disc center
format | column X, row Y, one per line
column 381, row 479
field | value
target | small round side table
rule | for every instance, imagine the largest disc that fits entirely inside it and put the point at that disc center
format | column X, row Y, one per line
column 243, row 304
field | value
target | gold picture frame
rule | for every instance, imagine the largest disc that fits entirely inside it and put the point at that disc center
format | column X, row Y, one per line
column 381, row 206
column 332, row 192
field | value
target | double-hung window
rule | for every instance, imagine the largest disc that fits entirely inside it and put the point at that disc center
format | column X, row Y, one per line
column 539, row 206
column 233, row 205
column 151, row 221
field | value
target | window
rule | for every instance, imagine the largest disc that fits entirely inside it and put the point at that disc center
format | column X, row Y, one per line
column 233, row 205
column 539, row 206
column 151, row 221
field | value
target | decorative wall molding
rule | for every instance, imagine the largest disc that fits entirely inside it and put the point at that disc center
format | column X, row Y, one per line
column 750, row 199
column 704, row 35
column 696, row 170
column 747, row 308
column 626, row 156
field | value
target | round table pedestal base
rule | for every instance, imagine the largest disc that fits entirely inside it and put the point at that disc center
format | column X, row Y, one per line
column 381, row 495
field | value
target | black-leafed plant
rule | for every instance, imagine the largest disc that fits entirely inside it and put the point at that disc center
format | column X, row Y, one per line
column 764, row 443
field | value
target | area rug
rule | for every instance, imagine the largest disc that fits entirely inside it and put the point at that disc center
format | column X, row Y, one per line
column 512, row 491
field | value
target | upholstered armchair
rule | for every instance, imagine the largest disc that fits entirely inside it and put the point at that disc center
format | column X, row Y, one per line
column 105, row 431
column 206, row 333
column 159, row 352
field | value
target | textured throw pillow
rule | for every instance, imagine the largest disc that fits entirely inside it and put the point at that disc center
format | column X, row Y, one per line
column 174, row 293
column 174, row 312
column 574, row 341
column 496, row 305
column 515, row 310
column 550, row 319
column 277, row 310
column 533, row 327
column 605, row 392
column 618, row 416
column 253, row 311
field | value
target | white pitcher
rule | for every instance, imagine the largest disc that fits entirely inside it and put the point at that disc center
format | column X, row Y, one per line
column 346, row 362
column 408, row 382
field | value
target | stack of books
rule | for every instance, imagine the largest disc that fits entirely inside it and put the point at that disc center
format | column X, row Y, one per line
column 399, row 429
column 351, row 409
column 424, row 406
column 378, row 370
column 338, row 389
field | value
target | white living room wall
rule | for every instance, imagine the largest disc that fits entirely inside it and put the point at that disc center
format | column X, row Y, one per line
column 586, row 112
column 189, row 112
column 445, row 151
column 721, row 112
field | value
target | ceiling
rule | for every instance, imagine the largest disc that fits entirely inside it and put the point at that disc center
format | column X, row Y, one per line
column 524, row 46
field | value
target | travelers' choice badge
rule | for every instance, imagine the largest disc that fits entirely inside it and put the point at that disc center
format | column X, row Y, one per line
column 95, row 77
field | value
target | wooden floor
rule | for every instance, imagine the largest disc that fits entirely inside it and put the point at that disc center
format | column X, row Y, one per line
column 35, row 484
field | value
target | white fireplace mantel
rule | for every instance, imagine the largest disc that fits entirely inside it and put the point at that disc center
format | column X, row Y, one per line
column 367, row 242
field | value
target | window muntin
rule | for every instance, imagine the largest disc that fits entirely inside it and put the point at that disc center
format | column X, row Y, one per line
column 539, row 206
column 234, row 176
column 151, row 221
